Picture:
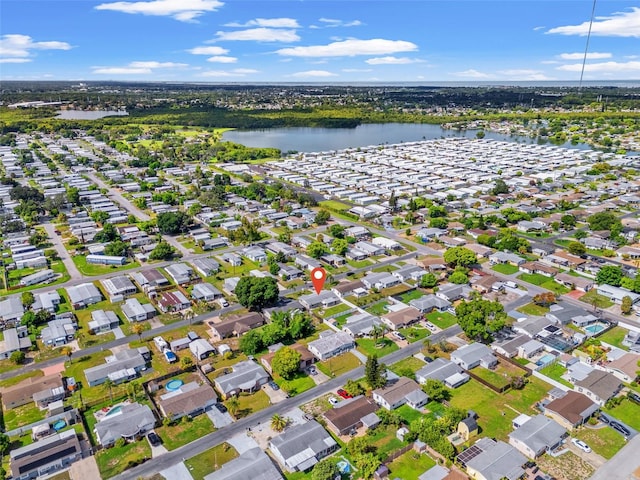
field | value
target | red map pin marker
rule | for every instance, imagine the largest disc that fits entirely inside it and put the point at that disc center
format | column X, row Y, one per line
column 318, row 276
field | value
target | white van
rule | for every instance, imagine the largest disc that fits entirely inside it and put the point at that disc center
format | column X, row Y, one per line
column 222, row 302
column 511, row 284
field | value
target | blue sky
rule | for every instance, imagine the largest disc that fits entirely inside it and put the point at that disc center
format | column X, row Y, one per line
column 317, row 41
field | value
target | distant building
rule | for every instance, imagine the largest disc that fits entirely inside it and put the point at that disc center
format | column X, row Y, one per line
column 300, row 447
column 45, row 456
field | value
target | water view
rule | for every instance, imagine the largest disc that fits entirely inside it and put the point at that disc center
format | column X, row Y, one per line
column 308, row 139
column 89, row 114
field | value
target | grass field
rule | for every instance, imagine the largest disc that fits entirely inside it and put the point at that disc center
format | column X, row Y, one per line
column 210, row 460
column 594, row 299
column 410, row 465
column 91, row 269
column 544, row 282
column 175, row 436
column 412, row 363
column 442, row 319
column 334, row 205
column 383, row 347
column 534, row 310
column 627, row 412
column 341, row 307
column 505, row 268
column 604, row 441
column 412, row 295
column 249, row 404
column 298, row 384
column 336, row 366
column 614, row 337
column 413, row 334
column 555, row 372
column 115, row 460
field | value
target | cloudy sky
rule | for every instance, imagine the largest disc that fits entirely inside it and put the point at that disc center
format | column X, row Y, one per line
column 317, row 40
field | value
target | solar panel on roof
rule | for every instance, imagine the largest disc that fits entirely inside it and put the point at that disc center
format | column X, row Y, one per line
column 470, row 453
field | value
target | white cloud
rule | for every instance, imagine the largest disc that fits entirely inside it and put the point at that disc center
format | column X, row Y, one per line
column 619, row 24
column 137, row 68
column 15, row 48
column 157, row 65
column 392, row 61
column 121, row 71
column 350, row 48
column 550, row 62
column 208, row 51
column 260, row 35
column 15, row 60
column 603, row 67
column 580, row 56
column 357, row 70
column 222, row 59
column 471, row 73
column 535, row 29
column 182, row 10
column 332, row 22
column 268, row 22
column 313, row 74
column 523, row 74
column 238, row 72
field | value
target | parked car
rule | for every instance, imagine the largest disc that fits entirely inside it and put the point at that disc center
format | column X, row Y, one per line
column 620, row 428
column 154, row 439
column 399, row 336
column 603, row 418
column 333, row 400
column 343, row 393
column 581, row 445
column 221, row 408
column 312, row 370
column 274, row 385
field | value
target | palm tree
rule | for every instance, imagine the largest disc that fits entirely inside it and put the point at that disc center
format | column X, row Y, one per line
column 233, row 405
column 109, row 384
column 67, row 351
column 377, row 332
column 279, row 423
column 138, row 328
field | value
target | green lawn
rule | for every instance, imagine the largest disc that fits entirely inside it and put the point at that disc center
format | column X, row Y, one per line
column 604, row 441
column 383, row 347
column 496, row 411
column 505, row 268
column 183, row 432
column 533, row 278
column 115, row 460
column 91, row 269
column 494, row 378
column 594, row 299
column 614, row 337
column 410, row 465
column 534, row 310
column 298, row 384
column 627, row 411
column 18, row 378
column 379, row 308
column 359, row 263
column 341, row 307
column 334, row 205
column 555, row 371
column 394, row 291
column 250, row 404
column 442, row 319
column 412, row 295
column 384, row 439
column 411, row 363
column 413, row 334
column 210, row 460
column 336, row 366
column 408, row 414
column 23, row 415
column 57, row 266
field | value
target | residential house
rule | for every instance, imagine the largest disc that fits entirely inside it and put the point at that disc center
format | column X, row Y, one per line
column 306, row 357
column 206, row 292
column 284, row 305
column 102, row 321
column 624, row 367
column 357, row 232
column 46, row 456
column 452, row 292
column 123, row 366
column 48, row 301
column 510, row 346
column 201, row 349
column 331, row 344
column 347, row 416
column 537, row 436
column 539, row 268
column 15, row 339
column 23, row 393
column 181, row 273
column 277, row 247
column 118, row 287
column 59, row 332
column 486, row 283
column 41, row 276
column 131, row 422
column 404, row 390
column 489, row 459
column 247, row 376
column 324, row 299
column 369, row 248
column 531, row 226
column 232, row 259
column 174, row 301
column 386, row 243
column 106, row 259
column 578, row 283
column 83, row 295
column 632, row 341
column 531, row 348
column 474, row 354
column 599, row 386
column 571, row 410
column 190, row 400
column 380, row 280
column 300, row 447
column 135, row 311
column 361, row 324
column 255, row 254
column 306, row 263
column 409, row 272
column 236, row 325
column 506, row 257
column 344, row 289
column 401, row 318
column 149, row 279
column 252, row 464
column 229, row 285
column 616, row 294
column 11, row 310
column 428, row 303
column 563, row 259
column 443, row 370
column 206, row 266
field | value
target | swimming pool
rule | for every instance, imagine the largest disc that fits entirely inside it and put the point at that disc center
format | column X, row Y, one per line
column 594, row 328
column 545, row 359
column 114, row 410
column 59, row 425
column 174, row 385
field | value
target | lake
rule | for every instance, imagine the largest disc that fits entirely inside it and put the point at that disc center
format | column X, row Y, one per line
column 89, row 114
column 311, row 139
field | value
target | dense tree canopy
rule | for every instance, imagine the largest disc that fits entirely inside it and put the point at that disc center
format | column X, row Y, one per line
column 162, row 251
column 480, row 318
column 602, row 221
column 286, row 362
column 173, row 222
column 609, row 274
column 460, row 257
column 256, row 293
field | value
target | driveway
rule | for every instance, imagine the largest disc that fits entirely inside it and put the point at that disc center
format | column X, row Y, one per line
column 84, row 469
column 242, row 443
column 275, row 396
column 74, row 273
column 118, row 332
column 218, row 418
column 593, row 459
